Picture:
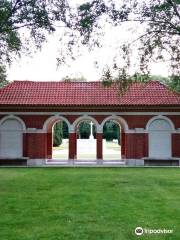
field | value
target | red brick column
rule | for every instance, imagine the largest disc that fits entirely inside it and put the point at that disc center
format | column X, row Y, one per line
column 99, row 145
column 72, row 145
column 146, row 145
column 49, row 145
column 36, row 145
column 24, row 145
column 136, row 145
column 175, row 145
column 123, row 144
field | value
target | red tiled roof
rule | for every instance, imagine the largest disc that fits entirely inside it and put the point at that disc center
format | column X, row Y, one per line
column 85, row 93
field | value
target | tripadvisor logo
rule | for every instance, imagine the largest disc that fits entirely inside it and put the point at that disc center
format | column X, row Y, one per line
column 138, row 231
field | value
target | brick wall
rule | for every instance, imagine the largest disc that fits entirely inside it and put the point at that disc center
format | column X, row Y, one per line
column 24, row 144
column 39, row 145
column 136, row 145
column 99, row 143
column 49, row 145
column 175, row 119
column 123, row 145
column 71, row 118
column 72, row 146
column 136, row 121
column 36, row 121
column 99, row 118
column 175, row 145
column 36, row 145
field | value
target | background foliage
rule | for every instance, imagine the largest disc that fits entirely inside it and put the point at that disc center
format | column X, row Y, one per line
column 25, row 25
column 111, row 131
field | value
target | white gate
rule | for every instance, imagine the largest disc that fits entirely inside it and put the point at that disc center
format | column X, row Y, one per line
column 11, row 139
column 160, row 139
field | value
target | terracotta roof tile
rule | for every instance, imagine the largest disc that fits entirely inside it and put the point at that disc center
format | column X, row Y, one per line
column 85, row 93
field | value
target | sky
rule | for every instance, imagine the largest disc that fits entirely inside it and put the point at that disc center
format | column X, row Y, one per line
column 42, row 65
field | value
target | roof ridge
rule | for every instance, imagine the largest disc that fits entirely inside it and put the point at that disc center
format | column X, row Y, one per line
column 54, row 81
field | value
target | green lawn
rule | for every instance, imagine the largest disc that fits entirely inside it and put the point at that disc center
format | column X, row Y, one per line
column 88, row 203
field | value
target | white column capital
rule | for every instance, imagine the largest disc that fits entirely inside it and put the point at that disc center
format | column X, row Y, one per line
column 99, row 129
column 72, row 129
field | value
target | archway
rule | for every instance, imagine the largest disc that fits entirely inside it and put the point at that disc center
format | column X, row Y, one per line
column 60, row 140
column 160, row 145
column 86, row 147
column 116, row 145
column 112, row 140
column 11, row 137
column 57, row 149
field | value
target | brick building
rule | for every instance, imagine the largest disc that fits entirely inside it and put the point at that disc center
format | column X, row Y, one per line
column 149, row 116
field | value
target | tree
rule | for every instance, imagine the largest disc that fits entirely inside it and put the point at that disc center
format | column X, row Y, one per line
column 84, row 130
column 58, row 134
column 160, row 20
column 173, row 84
column 159, row 40
column 3, row 80
column 111, row 131
column 26, row 23
column 75, row 79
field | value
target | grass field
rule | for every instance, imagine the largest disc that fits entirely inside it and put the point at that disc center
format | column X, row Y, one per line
column 88, row 203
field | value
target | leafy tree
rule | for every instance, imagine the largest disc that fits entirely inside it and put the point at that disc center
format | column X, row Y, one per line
column 111, row 131
column 159, row 18
column 3, row 80
column 76, row 79
column 173, row 84
column 84, row 130
column 26, row 23
column 159, row 40
column 36, row 17
column 58, row 134
column 65, row 130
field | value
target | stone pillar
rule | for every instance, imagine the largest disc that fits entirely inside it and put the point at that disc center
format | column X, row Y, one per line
column 99, row 149
column 72, row 146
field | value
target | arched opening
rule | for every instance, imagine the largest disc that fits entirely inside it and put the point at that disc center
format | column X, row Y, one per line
column 112, row 140
column 60, row 140
column 160, row 138
column 11, row 138
column 57, row 128
column 86, row 140
column 118, row 140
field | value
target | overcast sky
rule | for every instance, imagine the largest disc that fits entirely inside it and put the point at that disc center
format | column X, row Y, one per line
column 42, row 65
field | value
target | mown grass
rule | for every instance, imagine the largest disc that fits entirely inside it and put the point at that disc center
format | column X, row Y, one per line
column 88, row 203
